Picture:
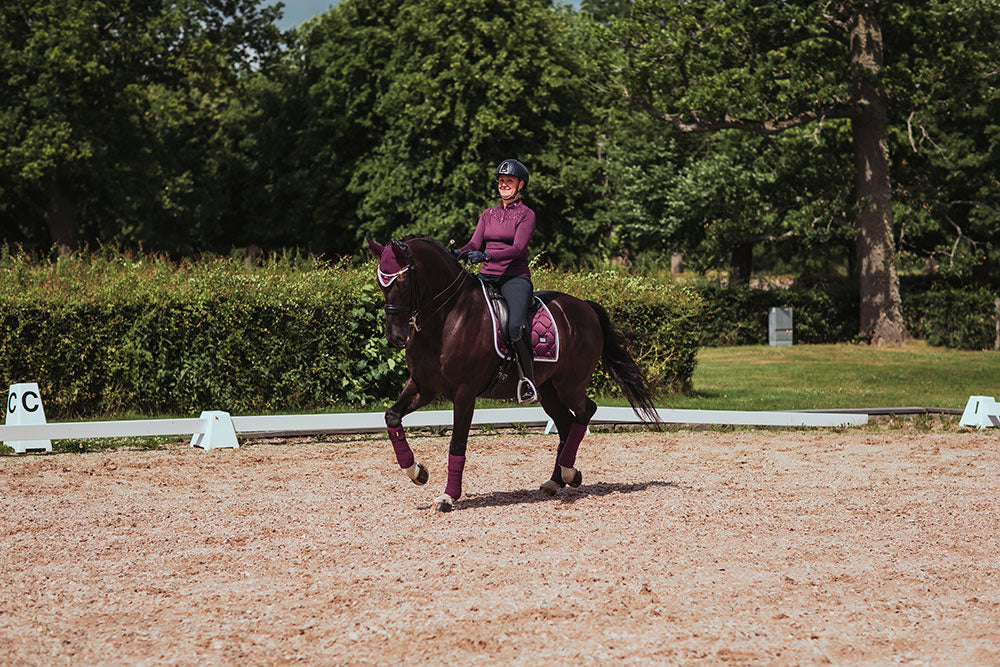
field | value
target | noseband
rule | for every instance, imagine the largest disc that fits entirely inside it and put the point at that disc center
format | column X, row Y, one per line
column 413, row 307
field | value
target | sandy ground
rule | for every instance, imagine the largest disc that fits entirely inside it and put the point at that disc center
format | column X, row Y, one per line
column 874, row 546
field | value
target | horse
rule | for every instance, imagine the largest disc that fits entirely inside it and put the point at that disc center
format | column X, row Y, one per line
column 438, row 311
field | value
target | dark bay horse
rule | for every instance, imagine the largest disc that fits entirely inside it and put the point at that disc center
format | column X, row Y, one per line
column 438, row 312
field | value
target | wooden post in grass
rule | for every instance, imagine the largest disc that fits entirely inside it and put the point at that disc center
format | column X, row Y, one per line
column 996, row 307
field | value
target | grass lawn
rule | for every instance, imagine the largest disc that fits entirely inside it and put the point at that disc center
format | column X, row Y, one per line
column 838, row 376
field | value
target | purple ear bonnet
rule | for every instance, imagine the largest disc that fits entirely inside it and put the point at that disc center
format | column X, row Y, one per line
column 389, row 267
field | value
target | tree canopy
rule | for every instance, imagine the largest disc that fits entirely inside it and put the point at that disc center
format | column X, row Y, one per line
column 735, row 131
column 769, row 68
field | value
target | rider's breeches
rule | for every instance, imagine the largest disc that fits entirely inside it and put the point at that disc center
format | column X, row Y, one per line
column 517, row 292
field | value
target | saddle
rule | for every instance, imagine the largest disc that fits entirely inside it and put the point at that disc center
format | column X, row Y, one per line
column 544, row 335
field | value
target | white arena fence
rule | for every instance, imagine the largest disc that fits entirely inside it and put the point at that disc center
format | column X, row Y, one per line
column 26, row 429
column 216, row 429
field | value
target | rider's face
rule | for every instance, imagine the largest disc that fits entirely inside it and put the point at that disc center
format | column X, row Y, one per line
column 507, row 186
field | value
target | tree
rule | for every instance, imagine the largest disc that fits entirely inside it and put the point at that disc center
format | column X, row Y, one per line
column 110, row 111
column 945, row 137
column 403, row 108
column 766, row 68
column 726, row 197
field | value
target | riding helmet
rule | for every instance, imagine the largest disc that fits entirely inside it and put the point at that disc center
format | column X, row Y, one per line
column 513, row 168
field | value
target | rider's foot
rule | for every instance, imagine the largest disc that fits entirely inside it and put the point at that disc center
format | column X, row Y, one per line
column 526, row 392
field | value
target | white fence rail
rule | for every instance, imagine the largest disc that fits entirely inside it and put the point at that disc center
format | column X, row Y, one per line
column 214, row 430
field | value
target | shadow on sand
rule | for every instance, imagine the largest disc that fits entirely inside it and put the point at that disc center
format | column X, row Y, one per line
column 567, row 495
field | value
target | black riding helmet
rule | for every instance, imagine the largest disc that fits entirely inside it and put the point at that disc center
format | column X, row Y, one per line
column 515, row 169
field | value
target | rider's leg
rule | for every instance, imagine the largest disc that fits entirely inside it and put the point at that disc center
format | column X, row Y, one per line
column 517, row 291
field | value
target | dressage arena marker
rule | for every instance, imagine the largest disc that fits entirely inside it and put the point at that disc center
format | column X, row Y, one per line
column 981, row 412
column 26, row 430
column 24, row 407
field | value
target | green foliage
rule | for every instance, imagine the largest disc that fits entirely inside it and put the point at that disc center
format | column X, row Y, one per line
column 110, row 110
column 963, row 317
column 387, row 117
column 947, row 139
column 120, row 333
column 123, row 333
column 960, row 317
column 659, row 320
column 739, row 315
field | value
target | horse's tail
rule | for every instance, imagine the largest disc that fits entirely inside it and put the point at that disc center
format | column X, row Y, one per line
column 624, row 371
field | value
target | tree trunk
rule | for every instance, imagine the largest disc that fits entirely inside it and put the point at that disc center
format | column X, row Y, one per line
column 741, row 264
column 61, row 217
column 881, row 311
column 676, row 263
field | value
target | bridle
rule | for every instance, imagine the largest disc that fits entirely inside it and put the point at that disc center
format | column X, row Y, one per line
column 413, row 308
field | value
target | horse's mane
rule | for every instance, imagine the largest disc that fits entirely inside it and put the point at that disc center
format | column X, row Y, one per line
column 434, row 242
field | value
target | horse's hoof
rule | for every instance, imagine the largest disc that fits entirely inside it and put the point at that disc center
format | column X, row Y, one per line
column 422, row 475
column 549, row 488
column 444, row 503
column 571, row 476
column 417, row 474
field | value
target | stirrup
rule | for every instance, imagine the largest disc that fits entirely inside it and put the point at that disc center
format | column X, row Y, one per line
column 531, row 398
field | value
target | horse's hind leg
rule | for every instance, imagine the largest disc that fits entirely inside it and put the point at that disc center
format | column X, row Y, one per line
column 566, row 459
column 410, row 399
column 563, row 420
column 572, row 427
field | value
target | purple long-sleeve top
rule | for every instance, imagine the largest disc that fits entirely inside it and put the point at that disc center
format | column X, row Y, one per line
column 506, row 233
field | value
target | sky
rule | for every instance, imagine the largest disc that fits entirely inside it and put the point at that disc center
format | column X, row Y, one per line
column 297, row 11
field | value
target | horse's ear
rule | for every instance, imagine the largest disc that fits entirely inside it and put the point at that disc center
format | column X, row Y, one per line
column 399, row 250
column 375, row 247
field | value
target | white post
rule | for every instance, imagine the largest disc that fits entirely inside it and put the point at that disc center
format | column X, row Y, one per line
column 24, row 408
column 217, row 431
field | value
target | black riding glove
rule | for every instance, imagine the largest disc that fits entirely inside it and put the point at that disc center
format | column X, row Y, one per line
column 476, row 256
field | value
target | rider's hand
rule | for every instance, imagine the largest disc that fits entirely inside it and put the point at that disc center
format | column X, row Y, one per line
column 476, row 256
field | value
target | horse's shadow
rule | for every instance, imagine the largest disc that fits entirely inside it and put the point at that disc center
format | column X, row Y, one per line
column 567, row 495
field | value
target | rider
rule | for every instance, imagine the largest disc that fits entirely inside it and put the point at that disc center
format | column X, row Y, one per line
column 506, row 229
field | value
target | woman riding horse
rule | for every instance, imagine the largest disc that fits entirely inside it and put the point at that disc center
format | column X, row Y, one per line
column 439, row 313
column 506, row 230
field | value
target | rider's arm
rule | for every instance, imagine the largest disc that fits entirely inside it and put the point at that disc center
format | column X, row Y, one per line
column 478, row 237
column 522, row 236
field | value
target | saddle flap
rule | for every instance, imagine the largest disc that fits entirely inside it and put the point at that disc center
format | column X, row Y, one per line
column 544, row 334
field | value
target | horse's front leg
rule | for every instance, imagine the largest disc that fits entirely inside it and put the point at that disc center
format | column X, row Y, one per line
column 464, row 406
column 409, row 400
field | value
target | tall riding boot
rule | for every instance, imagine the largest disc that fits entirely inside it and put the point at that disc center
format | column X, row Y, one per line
column 526, row 391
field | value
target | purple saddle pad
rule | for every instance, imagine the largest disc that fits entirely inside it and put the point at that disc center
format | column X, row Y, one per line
column 544, row 335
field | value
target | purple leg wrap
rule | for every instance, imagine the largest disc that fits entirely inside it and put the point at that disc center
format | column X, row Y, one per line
column 456, row 464
column 404, row 455
column 567, row 457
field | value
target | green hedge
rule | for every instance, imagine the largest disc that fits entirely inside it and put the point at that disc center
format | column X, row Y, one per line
column 661, row 321
column 107, row 335
column 952, row 316
column 940, row 313
column 738, row 316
